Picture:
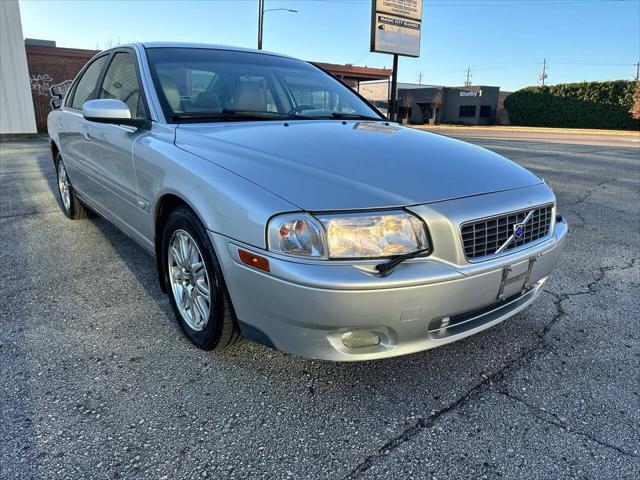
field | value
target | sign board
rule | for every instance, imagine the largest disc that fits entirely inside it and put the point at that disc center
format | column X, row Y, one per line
column 411, row 9
column 475, row 93
column 396, row 26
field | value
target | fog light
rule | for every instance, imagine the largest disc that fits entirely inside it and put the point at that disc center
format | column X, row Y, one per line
column 360, row 339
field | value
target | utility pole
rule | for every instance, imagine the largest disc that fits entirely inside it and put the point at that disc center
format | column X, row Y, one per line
column 420, row 78
column 543, row 75
column 467, row 83
column 638, row 71
column 260, row 22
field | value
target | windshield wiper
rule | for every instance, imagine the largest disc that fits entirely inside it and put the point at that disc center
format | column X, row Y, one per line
column 354, row 116
column 230, row 114
column 385, row 268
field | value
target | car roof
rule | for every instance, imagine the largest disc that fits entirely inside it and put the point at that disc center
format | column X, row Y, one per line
column 209, row 46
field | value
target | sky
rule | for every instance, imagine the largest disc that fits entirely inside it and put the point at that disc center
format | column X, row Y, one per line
column 504, row 42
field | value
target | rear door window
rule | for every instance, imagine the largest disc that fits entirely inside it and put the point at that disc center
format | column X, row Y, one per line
column 86, row 86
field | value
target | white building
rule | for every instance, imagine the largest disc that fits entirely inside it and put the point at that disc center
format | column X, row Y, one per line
column 16, row 106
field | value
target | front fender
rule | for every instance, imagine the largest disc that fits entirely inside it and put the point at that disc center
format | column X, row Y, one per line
column 225, row 202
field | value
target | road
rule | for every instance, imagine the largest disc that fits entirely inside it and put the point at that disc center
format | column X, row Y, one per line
column 97, row 382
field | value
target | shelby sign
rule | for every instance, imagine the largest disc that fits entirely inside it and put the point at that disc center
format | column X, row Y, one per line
column 395, row 27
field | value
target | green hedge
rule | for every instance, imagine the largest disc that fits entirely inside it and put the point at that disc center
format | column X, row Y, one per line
column 575, row 105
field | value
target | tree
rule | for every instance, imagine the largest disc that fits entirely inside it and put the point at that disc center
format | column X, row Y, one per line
column 635, row 109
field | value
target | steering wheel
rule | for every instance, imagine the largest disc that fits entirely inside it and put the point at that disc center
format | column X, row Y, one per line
column 300, row 108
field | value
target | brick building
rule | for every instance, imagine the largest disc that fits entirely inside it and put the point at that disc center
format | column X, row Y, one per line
column 51, row 71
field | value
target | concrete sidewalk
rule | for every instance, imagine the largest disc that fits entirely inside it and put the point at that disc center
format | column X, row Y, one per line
column 573, row 136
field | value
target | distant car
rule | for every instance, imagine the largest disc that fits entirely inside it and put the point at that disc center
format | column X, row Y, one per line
column 282, row 207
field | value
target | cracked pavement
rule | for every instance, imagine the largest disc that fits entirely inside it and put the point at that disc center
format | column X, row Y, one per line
column 98, row 382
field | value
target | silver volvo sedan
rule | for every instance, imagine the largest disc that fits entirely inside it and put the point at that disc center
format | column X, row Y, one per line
column 282, row 207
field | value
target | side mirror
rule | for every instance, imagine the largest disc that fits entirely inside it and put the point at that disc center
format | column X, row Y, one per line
column 110, row 111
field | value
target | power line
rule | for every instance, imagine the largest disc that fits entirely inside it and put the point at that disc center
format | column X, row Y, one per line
column 594, row 64
column 505, row 66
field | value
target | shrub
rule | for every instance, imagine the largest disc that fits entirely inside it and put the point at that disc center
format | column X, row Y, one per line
column 575, row 105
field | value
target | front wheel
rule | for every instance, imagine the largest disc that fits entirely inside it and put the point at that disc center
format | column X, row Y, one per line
column 195, row 285
column 69, row 202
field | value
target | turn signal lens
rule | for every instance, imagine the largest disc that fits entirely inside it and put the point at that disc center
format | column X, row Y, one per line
column 253, row 260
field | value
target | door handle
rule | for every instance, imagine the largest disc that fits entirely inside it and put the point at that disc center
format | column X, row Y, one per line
column 85, row 133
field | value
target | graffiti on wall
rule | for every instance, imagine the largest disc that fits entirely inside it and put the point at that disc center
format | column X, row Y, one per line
column 40, row 84
column 58, row 92
column 41, row 87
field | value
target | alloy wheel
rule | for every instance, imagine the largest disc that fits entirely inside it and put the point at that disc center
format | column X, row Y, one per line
column 189, row 280
column 64, row 186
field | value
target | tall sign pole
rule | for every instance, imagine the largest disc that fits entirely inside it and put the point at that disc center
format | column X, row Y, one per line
column 393, row 100
column 395, row 29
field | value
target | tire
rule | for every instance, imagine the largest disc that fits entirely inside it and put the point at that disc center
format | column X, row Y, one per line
column 208, row 321
column 69, row 202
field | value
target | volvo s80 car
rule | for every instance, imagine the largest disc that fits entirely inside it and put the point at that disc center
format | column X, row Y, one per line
column 282, row 207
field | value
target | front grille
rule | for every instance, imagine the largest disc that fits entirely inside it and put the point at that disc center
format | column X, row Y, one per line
column 485, row 237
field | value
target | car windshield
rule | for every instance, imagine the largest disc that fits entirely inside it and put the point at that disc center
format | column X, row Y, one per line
column 207, row 85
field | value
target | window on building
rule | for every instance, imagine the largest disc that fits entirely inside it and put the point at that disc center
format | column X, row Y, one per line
column 467, row 111
column 485, row 111
column 121, row 82
column 86, row 86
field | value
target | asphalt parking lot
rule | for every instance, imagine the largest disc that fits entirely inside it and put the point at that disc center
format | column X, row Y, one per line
column 97, row 381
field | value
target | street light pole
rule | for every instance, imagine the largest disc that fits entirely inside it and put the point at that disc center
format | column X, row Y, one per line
column 261, row 12
column 260, row 22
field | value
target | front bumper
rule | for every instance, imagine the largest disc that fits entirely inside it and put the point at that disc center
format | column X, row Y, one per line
column 305, row 308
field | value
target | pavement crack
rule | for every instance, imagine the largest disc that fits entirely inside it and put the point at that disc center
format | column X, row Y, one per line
column 583, row 221
column 587, row 195
column 599, row 275
column 489, row 380
column 28, row 214
column 554, row 419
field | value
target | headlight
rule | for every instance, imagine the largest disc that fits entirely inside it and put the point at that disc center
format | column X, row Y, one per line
column 374, row 235
column 343, row 236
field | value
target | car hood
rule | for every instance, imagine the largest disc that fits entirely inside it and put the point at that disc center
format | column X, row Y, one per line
column 334, row 165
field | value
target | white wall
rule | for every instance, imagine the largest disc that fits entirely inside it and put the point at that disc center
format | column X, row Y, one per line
column 16, row 105
column 376, row 90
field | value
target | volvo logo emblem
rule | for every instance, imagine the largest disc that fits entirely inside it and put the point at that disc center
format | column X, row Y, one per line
column 518, row 230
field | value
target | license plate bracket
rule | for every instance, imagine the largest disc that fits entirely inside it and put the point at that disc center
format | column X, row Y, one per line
column 515, row 278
